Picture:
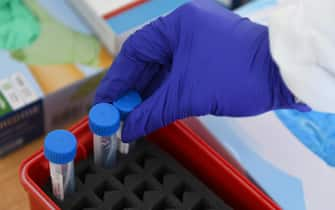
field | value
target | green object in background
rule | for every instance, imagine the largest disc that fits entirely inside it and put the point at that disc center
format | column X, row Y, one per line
column 4, row 106
column 57, row 43
column 19, row 28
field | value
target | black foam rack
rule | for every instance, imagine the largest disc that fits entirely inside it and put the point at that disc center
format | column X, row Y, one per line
column 145, row 179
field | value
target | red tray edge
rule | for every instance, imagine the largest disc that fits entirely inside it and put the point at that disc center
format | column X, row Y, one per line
column 32, row 187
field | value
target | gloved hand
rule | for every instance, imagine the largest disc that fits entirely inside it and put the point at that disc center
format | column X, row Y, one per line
column 193, row 63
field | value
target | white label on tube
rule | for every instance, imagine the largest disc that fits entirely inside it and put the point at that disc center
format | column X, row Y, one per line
column 111, row 154
column 105, row 150
column 57, row 181
column 123, row 147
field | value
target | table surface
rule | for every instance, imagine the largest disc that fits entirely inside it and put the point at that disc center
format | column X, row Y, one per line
column 13, row 197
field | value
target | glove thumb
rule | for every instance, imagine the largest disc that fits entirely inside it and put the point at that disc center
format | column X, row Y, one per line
column 151, row 115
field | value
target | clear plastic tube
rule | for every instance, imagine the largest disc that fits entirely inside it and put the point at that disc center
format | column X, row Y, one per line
column 126, row 104
column 105, row 150
column 60, row 147
column 62, row 179
column 123, row 148
column 104, row 121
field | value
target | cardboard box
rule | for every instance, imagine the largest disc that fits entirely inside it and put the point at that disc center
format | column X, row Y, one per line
column 47, row 80
column 113, row 21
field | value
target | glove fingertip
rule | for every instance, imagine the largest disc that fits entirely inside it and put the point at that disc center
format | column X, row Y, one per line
column 301, row 107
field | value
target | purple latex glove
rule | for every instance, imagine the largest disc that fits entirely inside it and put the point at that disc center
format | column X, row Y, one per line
column 191, row 63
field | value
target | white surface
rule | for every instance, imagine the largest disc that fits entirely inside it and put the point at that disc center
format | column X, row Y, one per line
column 269, row 138
column 302, row 40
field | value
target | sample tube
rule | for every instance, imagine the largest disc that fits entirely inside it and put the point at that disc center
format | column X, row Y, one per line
column 60, row 148
column 125, row 105
column 104, row 121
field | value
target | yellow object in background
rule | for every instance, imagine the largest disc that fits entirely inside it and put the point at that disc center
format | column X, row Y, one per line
column 106, row 59
column 53, row 77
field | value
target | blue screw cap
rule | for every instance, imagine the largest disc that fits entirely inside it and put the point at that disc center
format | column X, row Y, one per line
column 104, row 119
column 128, row 103
column 60, row 147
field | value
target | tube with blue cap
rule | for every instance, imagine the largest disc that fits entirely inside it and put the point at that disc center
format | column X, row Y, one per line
column 104, row 121
column 60, row 148
column 125, row 105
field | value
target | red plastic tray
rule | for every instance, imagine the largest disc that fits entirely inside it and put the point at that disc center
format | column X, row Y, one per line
column 178, row 140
